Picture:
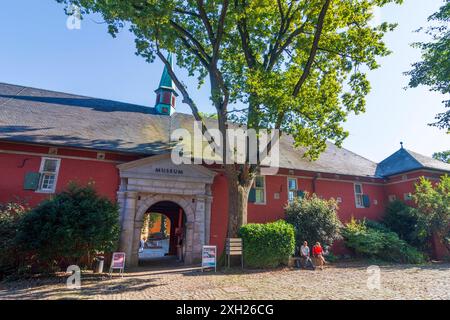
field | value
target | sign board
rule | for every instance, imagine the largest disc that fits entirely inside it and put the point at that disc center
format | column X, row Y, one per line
column 118, row 262
column 209, row 257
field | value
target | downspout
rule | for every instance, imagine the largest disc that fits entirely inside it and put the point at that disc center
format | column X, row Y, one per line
column 314, row 183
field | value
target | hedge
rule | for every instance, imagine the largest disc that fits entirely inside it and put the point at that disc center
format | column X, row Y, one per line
column 267, row 245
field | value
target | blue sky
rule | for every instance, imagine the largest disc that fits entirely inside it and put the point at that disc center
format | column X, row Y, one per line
column 38, row 50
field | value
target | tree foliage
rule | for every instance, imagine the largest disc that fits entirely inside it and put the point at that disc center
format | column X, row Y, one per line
column 73, row 224
column 298, row 66
column 443, row 156
column 314, row 219
column 433, row 203
column 434, row 69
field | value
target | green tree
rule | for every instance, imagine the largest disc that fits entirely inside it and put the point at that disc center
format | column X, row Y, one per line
column 434, row 69
column 297, row 66
column 442, row 156
column 433, row 203
column 314, row 219
column 73, row 224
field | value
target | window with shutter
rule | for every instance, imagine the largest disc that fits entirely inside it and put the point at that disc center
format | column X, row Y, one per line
column 260, row 190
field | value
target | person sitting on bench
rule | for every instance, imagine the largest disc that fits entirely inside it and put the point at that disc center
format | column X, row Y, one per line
column 318, row 255
column 305, row 255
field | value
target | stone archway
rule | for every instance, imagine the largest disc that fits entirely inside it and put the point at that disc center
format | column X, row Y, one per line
column 151, row 180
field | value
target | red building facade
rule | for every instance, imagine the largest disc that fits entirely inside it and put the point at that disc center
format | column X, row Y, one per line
column 49, row 139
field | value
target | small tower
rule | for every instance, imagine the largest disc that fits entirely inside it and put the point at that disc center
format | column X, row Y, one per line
column 166, row 94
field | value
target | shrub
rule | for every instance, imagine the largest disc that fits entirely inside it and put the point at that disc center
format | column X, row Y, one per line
column 10, row 217
column 267, row 245
column 73, row 224
column 433, row 205
column 407, row 223
column 379, row 243
column 314, row 219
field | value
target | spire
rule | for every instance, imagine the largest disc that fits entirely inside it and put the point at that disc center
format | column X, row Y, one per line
column 166, row 94
column 166, row 81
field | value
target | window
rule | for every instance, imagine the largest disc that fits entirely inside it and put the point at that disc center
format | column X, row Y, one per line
column 49, row 174
column 359, row 196
column 292, row 189
column 260, row 192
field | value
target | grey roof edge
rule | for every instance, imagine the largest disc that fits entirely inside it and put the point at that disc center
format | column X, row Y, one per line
column 73, row 94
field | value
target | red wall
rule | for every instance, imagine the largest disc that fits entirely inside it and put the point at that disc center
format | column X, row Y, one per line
column 84, row 167
column 347, row 208
column 274, row 208
column 219, row 215
column 13, row 168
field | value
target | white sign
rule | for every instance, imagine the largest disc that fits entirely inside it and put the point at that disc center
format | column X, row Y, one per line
column 209, row 257
column 117, row 262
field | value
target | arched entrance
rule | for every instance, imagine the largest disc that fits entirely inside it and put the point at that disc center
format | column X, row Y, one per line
column 156, row 183
column 163, row 233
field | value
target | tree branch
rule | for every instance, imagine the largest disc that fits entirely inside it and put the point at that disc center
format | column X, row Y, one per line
column 190, row 13
column 204, row 17
column 197, row 44
column 220, row 28
column 314, row 47
column 245, row 38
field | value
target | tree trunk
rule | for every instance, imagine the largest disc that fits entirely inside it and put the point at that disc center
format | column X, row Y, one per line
column 238, row 190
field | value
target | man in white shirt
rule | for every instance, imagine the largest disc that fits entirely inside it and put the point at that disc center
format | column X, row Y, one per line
column 305, row 255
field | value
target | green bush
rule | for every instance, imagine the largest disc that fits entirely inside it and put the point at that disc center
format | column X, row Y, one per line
column 267, row 245
column 433, row 204
column 10, row 217
column 76, row 223
column 375, row 241
column 407, row 223
column 314, row 219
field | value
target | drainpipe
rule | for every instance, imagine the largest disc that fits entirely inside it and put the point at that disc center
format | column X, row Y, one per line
column 314, row 183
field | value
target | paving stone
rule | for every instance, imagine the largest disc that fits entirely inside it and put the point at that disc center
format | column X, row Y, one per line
column 339, row 281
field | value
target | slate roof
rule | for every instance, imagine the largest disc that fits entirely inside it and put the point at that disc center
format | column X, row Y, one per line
column 406, row 160
column 61, row 119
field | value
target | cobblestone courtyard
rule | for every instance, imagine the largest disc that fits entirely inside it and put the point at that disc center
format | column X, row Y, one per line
column 340, row 281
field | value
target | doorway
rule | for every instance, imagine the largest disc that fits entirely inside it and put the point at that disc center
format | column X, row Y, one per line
column 163, row 234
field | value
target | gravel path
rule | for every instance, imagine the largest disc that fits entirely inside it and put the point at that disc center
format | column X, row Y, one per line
column 340, row 281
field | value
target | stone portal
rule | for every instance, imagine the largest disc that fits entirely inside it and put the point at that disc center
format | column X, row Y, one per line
column 148, row 181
